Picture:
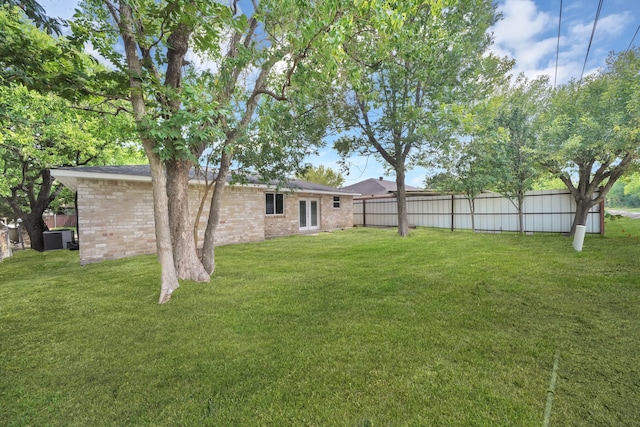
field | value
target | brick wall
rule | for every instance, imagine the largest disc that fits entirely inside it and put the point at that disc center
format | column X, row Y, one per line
column 282, row 225
column 241, row 215
column 330, row 217
column 116, row 217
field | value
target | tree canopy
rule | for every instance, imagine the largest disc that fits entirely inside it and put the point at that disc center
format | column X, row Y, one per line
column 516, row 125
column 39, row 61
column 407, row 67
column 322, row 175
column 35, row 12
column 42, row 131
column 39, row 129
column 591, row 131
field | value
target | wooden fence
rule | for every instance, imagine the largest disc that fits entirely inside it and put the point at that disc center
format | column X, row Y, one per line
column 60, row 221
column 547, row 211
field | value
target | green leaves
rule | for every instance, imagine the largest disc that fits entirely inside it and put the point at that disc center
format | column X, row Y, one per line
column 44, row 131
column 410, row 68
column 37, row 60
column 596, row 122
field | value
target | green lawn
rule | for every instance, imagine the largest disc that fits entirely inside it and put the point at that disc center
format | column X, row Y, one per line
column 350, row 328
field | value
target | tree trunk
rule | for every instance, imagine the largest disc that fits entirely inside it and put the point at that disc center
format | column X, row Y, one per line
column 185, row 256
column 35, row 226
column 33, row 222
column 208, row 255
column 582, row 212
column 520, row 213
column 472, row 208
column 169, row 278
column 403, row 222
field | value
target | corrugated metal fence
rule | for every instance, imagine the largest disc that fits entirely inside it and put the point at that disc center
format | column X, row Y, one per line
column 548, row 211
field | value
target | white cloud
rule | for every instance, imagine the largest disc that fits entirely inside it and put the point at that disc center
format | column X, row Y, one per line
column 608, row 26
column 529, row 35
column 521, row 23
column 520, row 35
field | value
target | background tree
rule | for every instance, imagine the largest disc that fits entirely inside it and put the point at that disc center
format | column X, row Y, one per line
column 408, row 63
column 35, row 12
column 39, row 132
column 625, row 193
column 591, row 132
column 467, row 171
column 39, row 61
column 322, row 175
column 632, row 191
column 515, row 170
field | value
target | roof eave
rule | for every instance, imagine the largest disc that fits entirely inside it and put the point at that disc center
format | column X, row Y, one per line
column 69, row 178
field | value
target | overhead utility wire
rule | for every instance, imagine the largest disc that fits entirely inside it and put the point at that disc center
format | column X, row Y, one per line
column 593, row 31
column 633, row 38
column 555, row 79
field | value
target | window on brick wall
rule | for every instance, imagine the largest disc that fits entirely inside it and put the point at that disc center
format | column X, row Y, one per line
column 336, row 202
column 274, row 203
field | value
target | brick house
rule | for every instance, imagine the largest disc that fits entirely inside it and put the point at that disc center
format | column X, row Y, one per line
column 115, row 210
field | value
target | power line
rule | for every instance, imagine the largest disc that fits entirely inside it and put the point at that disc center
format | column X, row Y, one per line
column 633, row 38
column 593, row 31
column 555, row 79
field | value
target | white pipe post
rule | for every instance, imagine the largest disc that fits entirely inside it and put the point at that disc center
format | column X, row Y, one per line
column 578, row 237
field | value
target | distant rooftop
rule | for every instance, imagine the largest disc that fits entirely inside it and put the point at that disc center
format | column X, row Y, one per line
column 376, row 187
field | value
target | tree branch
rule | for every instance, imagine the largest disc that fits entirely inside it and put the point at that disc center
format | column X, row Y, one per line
column 114, row 11
column 367, row 128
column 92, row 109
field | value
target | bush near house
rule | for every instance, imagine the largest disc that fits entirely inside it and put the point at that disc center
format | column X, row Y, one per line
column 356, row 327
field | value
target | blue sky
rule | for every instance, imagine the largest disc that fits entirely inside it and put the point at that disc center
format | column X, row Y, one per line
column 528, row 33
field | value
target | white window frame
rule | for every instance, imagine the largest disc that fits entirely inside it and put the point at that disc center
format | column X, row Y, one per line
column 336, row 202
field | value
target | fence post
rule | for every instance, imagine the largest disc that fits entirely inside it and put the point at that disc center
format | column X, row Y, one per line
column 602, row 217
column 364, row 213
column 453, row 204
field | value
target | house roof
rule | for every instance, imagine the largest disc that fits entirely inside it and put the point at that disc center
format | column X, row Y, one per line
column 376, row 187
column 142, row 173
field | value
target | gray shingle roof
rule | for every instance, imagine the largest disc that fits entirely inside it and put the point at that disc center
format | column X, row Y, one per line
column 144, row 171
column 376, row 187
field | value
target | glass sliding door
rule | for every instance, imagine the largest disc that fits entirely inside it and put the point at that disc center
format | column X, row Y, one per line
column 309, row 214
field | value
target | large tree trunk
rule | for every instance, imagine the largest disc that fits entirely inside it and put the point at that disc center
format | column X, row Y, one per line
column 35, row 226
column 583, row 205
column 589, row 183
column 38, row 203
column 185, row 256
column 403, row 221
column 169, row 279
column 208, row 255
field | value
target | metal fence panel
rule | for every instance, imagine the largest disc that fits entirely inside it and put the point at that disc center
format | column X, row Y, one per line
column 549, row 211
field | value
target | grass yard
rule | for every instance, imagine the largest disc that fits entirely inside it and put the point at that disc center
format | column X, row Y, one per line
column 350, row 328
